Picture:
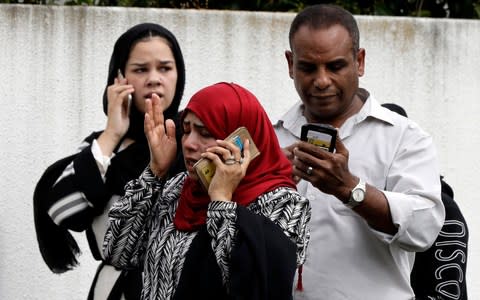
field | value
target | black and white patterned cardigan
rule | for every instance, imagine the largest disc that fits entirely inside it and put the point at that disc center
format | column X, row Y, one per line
column 241, row 253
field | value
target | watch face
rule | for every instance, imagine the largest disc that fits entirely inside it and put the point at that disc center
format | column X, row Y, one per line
column 357, row 195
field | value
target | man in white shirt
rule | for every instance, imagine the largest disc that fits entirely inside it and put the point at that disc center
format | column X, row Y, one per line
column 376, row 199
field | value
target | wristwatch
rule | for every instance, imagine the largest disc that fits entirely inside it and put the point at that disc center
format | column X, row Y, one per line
column 357, row 195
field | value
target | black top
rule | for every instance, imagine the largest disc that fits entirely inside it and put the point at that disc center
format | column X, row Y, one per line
column 439, row 272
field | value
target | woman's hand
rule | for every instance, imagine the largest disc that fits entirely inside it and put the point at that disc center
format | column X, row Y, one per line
column 230, row 166
column 117, row 115
column 160, row 136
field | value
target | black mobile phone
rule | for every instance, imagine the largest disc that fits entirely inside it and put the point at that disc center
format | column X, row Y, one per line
column 322, row 135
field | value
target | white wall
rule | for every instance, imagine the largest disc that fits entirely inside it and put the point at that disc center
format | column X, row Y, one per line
column 53, row 63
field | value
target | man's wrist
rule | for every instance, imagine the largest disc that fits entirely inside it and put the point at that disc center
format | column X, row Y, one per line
column 347, row 190
column 357, row 195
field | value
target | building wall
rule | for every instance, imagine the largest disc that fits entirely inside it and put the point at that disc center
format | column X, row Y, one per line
column 53, row 63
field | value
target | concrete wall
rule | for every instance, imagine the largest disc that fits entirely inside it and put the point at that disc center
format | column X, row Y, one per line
column 53, row 63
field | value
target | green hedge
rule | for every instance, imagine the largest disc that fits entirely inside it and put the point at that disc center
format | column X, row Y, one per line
column 466, row 9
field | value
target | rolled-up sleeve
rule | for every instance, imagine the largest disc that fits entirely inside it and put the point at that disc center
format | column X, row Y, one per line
column 413, row 192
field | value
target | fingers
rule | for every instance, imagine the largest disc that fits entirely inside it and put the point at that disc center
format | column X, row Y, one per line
column 231, row 167
column 227, row 153
column 119, row 94
column 154, row 128
column 155, row 113
column 123, row 88
column 170, row 128
column 227, row 150
column 340, row 147
column 308, row 159
column 326, row 171
column 288, row 151
column 157, row 109
column 246, row 153
column 302, row 155
column 148, row 128
column 148, row 121
column 301, row 168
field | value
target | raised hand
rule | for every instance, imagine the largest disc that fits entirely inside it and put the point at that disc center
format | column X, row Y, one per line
column 160, row 135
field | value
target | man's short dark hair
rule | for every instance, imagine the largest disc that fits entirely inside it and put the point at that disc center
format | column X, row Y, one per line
column 323, row 16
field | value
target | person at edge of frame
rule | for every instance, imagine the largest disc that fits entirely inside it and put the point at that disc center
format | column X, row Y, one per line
column 440, row 272
column 76, row 192
column 376, row 199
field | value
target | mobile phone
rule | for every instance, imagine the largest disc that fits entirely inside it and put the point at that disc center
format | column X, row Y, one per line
column 321, row 135
column 205, row 168
column 120, row 76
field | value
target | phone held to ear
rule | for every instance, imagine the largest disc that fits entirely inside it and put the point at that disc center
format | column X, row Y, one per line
column 321, row 135
column 205, row 168
column 120, row 77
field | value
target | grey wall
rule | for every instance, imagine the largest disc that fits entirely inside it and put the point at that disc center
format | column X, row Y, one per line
column 53, row 62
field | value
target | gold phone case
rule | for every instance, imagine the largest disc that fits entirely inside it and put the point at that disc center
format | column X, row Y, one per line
column 206, row 169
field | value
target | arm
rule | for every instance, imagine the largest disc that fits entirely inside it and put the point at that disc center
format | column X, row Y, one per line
column 138, row 212
column 78, row 192
column 117, row 115
column 131, row 217
column 57, row 187
column 254, row 247
column 405, row 206
column 260, row 246
column 332, row 176
column 413, row 191
column 439, row 272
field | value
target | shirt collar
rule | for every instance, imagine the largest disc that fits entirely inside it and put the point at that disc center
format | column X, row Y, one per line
column 379, row 112
column 293, row 119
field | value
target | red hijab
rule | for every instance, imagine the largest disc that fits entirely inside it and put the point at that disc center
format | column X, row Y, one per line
column 223, row 107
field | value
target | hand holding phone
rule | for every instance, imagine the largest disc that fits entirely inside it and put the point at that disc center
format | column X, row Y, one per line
column 321, row 135
column 205, row 168
column 129, row 99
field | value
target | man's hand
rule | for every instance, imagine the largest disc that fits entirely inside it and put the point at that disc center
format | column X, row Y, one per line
column 288, row 151
column 328, row 171
column 330, row 174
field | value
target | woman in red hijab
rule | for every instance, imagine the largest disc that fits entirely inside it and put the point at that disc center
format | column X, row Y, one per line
column 243, row 237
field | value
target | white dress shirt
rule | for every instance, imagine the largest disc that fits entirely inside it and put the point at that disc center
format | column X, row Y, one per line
column 346, row 258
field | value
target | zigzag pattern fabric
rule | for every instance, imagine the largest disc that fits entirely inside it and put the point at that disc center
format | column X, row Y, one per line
column 142, row 230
